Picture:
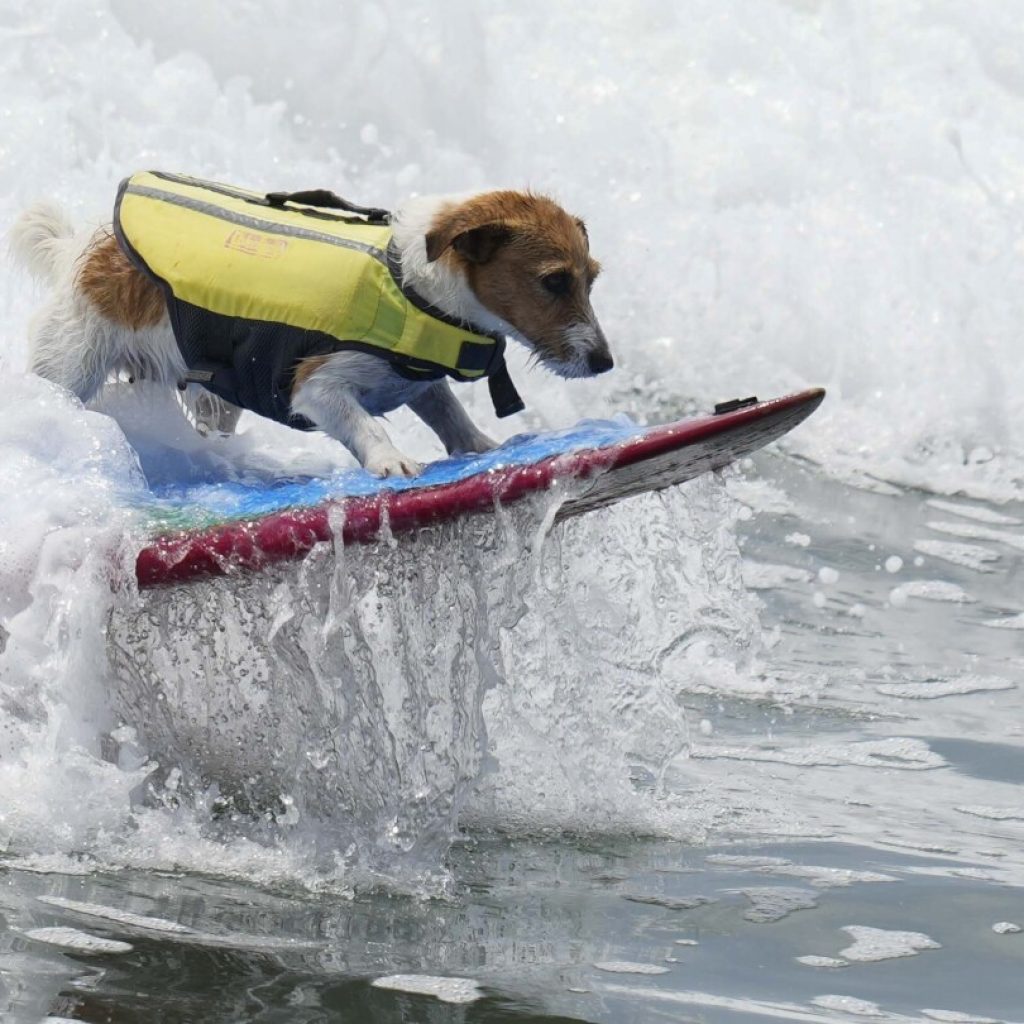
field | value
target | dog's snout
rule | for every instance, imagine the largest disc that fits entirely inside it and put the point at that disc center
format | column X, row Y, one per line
column 600, row 362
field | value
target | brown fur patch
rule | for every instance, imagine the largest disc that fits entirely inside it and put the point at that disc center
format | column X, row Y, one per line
column 116, row 288
column 306, row 368
column 535, row 238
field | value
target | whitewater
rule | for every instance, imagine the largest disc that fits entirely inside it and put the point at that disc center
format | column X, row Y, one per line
column 605, row 770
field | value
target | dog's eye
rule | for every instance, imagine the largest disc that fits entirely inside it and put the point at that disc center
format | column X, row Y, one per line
column 559, row 283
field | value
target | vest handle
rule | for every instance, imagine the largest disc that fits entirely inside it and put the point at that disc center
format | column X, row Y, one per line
column 326, row 199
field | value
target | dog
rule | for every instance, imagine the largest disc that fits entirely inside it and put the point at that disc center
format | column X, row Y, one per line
column 502, row 264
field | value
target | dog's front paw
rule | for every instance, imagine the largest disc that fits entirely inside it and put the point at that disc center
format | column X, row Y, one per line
column 389, row 461
column 475, row 445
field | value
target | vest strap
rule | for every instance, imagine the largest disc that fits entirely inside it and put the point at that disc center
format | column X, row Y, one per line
column 328, row 200
column 503, row 392
column 472, row 355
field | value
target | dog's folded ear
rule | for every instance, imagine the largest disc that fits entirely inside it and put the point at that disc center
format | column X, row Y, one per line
column 477, row 244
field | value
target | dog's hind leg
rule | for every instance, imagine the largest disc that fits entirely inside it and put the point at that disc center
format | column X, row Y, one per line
column 69, row 345
column 208, row 413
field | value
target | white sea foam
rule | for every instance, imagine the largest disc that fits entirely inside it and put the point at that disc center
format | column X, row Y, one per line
column 1006, row 928
column 994, row 813
column 970, row 556
column 820, row 961
column 873, row 944
column 447, row 990
column 773, row 903
column 1007, row 622
column 763, row 576
column 818, row 876
column 970, row 531
column 849, row 1004
column 629, row 967
column 114, row 915
column 144, row 925
column 77, row 941
column 932, row 688
column 979, row 513
column 891, row 753
column 930, row 590
column 792, row 1013
column 709, row 206
column 956, row 1017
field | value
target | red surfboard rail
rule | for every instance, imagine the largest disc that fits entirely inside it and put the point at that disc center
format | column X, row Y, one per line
column 658, row 458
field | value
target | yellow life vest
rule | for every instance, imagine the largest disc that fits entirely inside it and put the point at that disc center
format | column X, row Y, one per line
column 255, row 282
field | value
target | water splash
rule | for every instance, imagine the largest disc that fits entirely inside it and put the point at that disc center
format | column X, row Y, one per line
column 352, row 701
column 337, row 721
column 739, row 194
column 631, row 607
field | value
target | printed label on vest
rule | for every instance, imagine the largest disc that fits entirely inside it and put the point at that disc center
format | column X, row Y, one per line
column 254, row 243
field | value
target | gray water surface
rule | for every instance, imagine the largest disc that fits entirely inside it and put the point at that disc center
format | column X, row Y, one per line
column 863, row 771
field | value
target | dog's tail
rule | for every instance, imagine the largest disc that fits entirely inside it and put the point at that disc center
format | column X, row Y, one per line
column 39, row 236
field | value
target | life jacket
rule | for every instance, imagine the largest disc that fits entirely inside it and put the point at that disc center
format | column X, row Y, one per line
column 256, row 282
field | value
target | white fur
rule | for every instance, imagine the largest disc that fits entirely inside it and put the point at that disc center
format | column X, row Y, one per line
column 438, row 282
column 70, row 342
column 345, row 395
column 581, row 338
column 39, row 239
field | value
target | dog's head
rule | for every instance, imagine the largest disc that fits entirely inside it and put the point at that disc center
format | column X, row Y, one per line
column 529, row 263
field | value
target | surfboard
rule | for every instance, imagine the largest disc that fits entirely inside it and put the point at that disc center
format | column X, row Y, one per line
column 227, row 527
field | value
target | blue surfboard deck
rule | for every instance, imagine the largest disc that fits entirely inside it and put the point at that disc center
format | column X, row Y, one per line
column 194, row 505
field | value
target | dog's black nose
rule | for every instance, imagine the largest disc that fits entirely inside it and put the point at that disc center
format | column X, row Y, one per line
column 600, row 362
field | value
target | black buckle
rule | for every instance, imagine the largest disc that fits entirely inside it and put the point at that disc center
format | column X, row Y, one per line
column 474, row 356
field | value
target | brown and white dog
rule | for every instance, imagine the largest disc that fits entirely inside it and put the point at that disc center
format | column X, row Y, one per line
column 504, row 261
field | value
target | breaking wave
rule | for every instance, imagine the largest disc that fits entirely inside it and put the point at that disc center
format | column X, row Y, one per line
column 781, row 194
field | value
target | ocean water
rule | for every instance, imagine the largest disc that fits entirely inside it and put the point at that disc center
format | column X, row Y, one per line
column 750, row 750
